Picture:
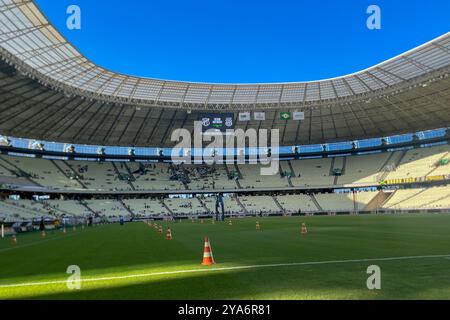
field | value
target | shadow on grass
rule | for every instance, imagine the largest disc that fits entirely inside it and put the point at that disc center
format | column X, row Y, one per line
column 400, row 280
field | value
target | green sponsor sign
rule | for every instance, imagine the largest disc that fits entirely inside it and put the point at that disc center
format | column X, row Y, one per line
column 285, row 116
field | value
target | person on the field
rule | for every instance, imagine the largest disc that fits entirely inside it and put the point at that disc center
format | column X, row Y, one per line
column 42, row 225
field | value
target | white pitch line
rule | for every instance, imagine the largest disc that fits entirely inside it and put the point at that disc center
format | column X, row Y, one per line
column 147, row 275
column 38, row 242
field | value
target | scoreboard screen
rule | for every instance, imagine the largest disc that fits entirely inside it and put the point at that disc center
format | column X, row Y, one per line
column 219, row 122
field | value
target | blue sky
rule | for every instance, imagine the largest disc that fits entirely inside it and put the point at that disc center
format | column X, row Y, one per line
column 246, row 41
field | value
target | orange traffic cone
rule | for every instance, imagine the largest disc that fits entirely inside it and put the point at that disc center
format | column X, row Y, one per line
column 258, row 226
column 169, row 234
column 14, row 240
column 208, row 258
column 304, row 229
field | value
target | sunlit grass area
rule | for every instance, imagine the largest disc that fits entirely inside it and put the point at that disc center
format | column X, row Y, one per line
column 136, row 262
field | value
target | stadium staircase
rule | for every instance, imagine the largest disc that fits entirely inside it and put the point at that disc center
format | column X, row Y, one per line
column 394, row 159
column 378, row 201
column 400, row 158
column 127, row 208
column 434, row 201
column 290, row 182
column 388, row 160
column 292, row 168
column 240, row 204
column 65, row 174
column 408, row 198
column 11, row 171
column 278, row 204
column 129, row 171
column 319, row 207
column 167, row 207
column 238, row 171
column 118, row 173
column 18, row 170
column 333, row 160
column 355, row 202
column 337, row 163
column 203, row 205
column 87, row 207
column 59, row 210
column 226, row 169
column 388, row 198
column 238, row 184
column 75, row 174
column 185, row 184
column 14, row 177
column 344, row 165
column 335, row 181
column 280, row 169
column 343, row 169
column 437, row 164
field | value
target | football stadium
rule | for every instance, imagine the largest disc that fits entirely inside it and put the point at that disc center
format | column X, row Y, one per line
column 99, row 201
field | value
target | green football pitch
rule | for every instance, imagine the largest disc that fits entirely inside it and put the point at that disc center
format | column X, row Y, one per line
column 330, row 262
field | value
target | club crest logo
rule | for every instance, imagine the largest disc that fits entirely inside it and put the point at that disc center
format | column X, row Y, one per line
column 206, row 122
column 229, row 122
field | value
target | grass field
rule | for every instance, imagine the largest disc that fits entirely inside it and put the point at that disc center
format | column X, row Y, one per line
column 136, row 262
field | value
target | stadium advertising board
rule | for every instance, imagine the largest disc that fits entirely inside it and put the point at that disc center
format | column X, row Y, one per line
column 218, row 122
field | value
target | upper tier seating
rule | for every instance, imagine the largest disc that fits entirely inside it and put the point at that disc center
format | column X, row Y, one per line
column 149, row 176
column 252, row 178
column 419, row 163
column 98, row 175
column 42, row 171
column 312, row 172
column 364, row 168
column 153, row 176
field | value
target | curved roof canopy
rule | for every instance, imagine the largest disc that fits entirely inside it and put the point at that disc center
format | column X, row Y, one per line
column 49, row 90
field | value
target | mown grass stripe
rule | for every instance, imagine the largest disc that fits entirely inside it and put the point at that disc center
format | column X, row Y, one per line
column 164, row 273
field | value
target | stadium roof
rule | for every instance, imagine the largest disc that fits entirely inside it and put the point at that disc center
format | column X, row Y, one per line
column 50, row 91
